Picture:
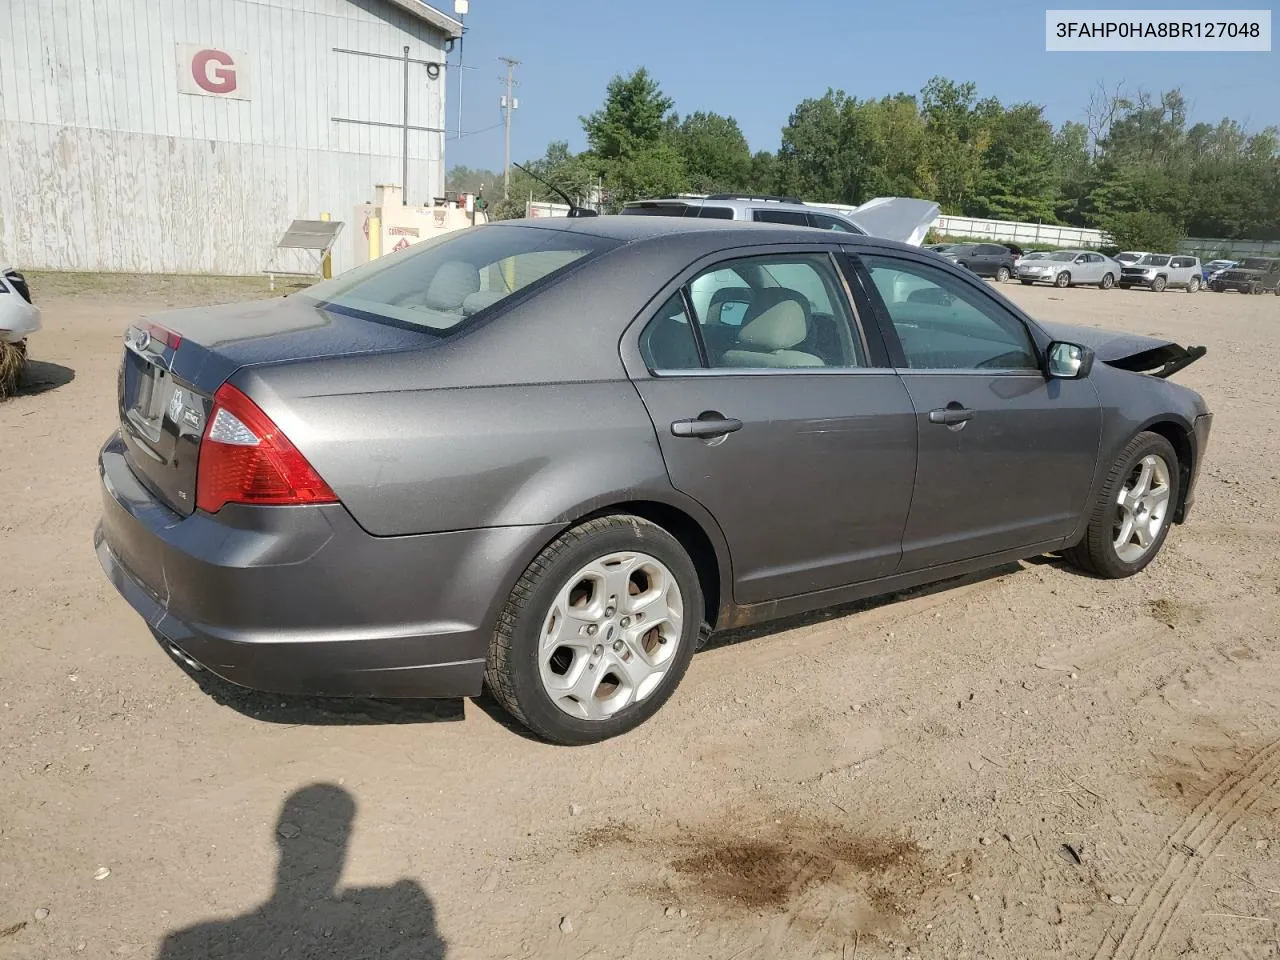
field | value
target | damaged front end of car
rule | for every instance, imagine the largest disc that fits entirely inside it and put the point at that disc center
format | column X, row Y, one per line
column 1155, row 356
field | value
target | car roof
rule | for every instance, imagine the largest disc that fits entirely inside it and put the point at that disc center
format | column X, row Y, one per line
column 628, row 229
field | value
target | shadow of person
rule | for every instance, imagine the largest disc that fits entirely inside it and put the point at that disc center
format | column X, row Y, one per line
column 308, row 916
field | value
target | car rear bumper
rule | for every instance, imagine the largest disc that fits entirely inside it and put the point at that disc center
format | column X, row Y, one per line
column 301, row 599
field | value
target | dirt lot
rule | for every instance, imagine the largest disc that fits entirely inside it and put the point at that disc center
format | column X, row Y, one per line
column 1026, row 764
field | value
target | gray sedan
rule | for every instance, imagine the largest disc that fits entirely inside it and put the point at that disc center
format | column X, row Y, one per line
column 553, row 456
column 1070, row 268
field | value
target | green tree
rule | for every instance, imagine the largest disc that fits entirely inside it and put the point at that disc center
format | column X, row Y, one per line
column 1017, row 180
column 629, row 145
column 1142, row 230
column 714, row 151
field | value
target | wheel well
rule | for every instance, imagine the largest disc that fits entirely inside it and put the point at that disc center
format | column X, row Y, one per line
column 1182, row 447
column 690, row 535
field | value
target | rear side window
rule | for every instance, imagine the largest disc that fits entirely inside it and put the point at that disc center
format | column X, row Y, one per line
column 438, row 285
column 1183, row 262
column 824, row 222
column 716, row 213
column 659, row 210
column 794, row 218
column 787, row 311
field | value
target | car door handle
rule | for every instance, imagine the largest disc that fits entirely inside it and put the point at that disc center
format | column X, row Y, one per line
column 950, row 416
column 707, row 426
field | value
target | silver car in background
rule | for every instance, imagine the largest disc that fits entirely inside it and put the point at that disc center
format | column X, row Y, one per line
column 1070, row 268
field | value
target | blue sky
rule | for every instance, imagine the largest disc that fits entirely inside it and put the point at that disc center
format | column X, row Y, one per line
column 756, row 59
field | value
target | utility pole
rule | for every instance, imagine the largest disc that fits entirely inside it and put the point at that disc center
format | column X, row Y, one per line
column 508, row 104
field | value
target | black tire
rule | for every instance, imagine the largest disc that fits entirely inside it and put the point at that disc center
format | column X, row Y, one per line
column 512, row 672
column 1193, row 285
column 1026, row 283
column 1124, row 286
column 1062, row 280
column 1158, row 284
column 1107, row 281
column 1096, row 553
column 1002, row 274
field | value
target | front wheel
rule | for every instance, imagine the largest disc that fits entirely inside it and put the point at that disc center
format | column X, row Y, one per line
column 598, row 631
column 1131, row 517
column 1062, row 280
column 1158, row 284
column 1002, row 275
column 1107, row 281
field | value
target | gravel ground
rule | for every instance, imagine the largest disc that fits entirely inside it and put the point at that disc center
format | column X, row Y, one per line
column 1021, row 764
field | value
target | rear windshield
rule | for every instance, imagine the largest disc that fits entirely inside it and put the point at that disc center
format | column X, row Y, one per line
column 1154, row 260
column 438, row 284
column 1254, row 263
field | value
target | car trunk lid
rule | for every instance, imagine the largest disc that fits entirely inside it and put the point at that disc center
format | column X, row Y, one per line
column 174, row 362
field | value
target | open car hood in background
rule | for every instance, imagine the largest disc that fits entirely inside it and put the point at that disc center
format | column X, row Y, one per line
column 1128, row 351
column 904, row 219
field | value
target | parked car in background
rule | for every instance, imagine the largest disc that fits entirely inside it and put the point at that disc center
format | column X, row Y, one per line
column 1250, row 275
column 19, row 318
column 1129, row 257
column 1213, row 268
column 1017, row 251
column 1159, row 271
column 904, row 219
column 1070, row 268
column 542, row 455
column 984, row 259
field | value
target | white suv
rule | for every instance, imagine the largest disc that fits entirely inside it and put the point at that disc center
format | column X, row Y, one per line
column 904, row 219
column 1161, row 270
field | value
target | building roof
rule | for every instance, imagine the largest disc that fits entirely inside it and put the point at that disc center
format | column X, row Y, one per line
column 451, row 28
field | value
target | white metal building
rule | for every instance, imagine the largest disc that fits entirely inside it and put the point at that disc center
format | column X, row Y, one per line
column 183, row 136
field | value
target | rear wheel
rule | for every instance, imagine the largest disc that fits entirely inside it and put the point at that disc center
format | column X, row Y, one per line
column 1131, row 516
column 1002, row 274
column 1062, row 280
column 1107, row 281
column 1193, row 285
column 598, row 631
column 1158, row 284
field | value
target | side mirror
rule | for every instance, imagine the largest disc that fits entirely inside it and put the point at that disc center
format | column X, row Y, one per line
column 1068, row 361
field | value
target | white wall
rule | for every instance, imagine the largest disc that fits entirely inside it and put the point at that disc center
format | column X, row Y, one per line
column 105, row 165
column 1018, row 232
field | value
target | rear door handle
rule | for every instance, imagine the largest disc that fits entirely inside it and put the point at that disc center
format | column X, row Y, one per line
column 950, row 416
column 706, row 426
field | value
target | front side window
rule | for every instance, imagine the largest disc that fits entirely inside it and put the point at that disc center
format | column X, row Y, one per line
column 944, row 325
column 436, row 285
column 788, row 311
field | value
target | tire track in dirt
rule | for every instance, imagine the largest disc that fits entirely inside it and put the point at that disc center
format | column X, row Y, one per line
column 1200, row 834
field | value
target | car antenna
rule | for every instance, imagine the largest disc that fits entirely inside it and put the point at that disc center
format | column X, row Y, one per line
column 574, row 209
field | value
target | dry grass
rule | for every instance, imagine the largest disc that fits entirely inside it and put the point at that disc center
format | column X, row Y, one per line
column 13, row 357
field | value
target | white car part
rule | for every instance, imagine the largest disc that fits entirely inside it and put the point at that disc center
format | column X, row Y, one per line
column 19, row 318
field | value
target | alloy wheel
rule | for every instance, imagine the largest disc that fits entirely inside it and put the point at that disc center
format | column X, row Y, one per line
column 611, row 635
column 1142, row 508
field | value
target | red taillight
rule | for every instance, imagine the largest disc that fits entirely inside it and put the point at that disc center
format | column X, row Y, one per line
column 244, row 458
column 164, row 335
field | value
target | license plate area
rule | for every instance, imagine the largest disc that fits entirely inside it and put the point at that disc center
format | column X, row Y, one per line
column 146, row 391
